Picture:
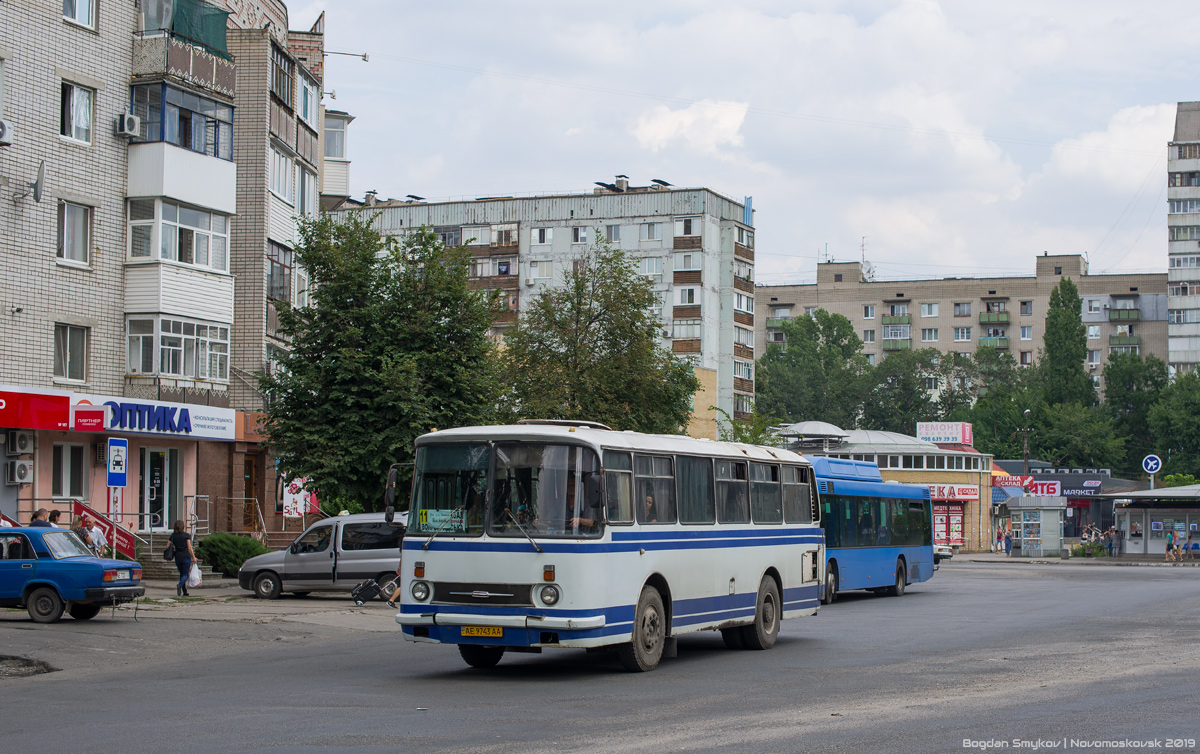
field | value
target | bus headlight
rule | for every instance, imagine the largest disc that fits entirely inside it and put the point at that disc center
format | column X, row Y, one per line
column 420, row 591
column 549, row 595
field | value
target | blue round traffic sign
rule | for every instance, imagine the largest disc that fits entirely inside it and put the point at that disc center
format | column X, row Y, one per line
column 1151, row 464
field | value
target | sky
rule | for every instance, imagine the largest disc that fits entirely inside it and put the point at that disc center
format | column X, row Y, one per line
column 956, row 138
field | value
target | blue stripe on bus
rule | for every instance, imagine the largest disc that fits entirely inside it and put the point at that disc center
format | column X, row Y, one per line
column 622, row 536
column 629, row 546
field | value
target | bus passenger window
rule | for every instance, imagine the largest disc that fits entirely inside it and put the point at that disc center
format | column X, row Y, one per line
column 654, row 489
column 694, row 477
column 733, row 501
column 618, row 482
column 796, row 506
column 765, row 497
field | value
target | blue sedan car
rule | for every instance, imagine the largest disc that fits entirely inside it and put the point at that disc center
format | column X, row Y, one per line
column 48, row 571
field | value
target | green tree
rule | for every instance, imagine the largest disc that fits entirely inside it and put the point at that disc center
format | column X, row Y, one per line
column 1173, row 422
column 1131, row 386
column 1072, row 434
column 591, row 349
column 394, row 343
column 958, row 380
column 899, row 396
column 1004, row 392
column 757, row 429
column 817, row 375
column 1064, row 378
column 1178, row 480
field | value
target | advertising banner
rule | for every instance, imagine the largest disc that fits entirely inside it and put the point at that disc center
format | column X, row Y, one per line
column 23, row 410
column 298, row 501
column 959, row 433
column 948, row 524
column 953, row 492
column 118, row 537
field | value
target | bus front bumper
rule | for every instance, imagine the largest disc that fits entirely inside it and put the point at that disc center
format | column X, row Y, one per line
column 504, row 621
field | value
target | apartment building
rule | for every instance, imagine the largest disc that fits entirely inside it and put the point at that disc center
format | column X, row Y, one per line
column 1122, row 313
column 695, row 245
column 1183, row 240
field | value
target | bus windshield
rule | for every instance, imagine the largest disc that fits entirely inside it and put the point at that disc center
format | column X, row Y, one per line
column 449, row 490
column 547, row 490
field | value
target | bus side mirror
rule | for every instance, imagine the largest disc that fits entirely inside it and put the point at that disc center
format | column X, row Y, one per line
column 389, row 495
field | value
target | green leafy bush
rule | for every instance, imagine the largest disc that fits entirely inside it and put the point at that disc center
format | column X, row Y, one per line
column 226, row 552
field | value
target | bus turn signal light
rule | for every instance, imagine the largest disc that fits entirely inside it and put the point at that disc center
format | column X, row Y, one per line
column 419, row 569
column 548, row 573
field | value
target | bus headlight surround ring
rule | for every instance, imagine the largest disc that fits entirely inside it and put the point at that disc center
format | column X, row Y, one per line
column 419, row 591
column 550, row 595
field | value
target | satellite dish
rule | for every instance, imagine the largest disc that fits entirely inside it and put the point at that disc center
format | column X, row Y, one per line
column 39, row 185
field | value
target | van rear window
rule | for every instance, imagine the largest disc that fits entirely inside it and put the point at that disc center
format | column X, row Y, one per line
column 372, row 536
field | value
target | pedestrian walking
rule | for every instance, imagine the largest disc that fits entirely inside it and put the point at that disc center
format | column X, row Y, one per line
column 1170, row 546
column 185, row 556
column 1008, row 544
column 999, row 539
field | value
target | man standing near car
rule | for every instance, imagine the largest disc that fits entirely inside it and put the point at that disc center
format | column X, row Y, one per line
column 40, row 519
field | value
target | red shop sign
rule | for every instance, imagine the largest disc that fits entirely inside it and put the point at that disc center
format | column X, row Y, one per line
column 34, row 410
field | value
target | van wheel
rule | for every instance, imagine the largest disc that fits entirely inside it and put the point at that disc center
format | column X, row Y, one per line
column 84, row 612
column 45, row 606
column 897, row 589
column 649, row 634
column 480, row 657
column 733, row 637
column 267, row 586
column 388, row 581
column 831, row 585
column 762, row 633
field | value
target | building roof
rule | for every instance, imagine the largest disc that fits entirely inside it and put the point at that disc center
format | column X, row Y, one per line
column 891, row 442
column 1186, row 492
column 813, row 430
column 1187, row 121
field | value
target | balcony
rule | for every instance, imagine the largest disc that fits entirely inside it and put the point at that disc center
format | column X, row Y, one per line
column 1124, row 315
column 1122, row 340
column 896, row 344
column 994, row 318
column 1000, row 342
column 161, row 169
column 778, row 322
column 162, row 55
column 897, row 319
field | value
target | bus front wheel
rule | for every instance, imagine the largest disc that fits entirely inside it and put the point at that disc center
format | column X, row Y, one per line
column 480, row 657
column 831, row 585
column 762, row 633
column 649, row 634
column 897, row 590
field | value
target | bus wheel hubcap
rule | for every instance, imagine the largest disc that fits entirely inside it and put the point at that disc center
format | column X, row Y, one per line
column 650, row 629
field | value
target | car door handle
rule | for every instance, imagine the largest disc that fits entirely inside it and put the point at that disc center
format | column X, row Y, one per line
column 331, row 554
column 27, row 565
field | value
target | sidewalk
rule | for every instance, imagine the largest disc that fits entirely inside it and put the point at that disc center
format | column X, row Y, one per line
column 1124, row 560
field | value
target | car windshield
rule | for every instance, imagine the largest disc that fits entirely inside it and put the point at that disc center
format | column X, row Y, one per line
column 546, row 490
column 64, row 544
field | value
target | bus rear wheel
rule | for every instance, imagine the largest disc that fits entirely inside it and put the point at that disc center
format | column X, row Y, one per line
column 762, row 633
column 480, row 657
column 649, row 634
column 897, row 589
column 831, row 585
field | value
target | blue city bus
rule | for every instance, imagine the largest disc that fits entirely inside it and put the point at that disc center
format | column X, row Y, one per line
column 878, row 535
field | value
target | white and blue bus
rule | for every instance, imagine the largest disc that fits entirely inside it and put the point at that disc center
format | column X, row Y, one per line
column 878, row 535
column 568, row 534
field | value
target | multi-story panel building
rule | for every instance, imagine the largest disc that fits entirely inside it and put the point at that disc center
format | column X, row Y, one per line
column 1122, row 313
column 1183, row 239
column 695, row 245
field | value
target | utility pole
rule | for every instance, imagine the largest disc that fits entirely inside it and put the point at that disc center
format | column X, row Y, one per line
column 1026, row 450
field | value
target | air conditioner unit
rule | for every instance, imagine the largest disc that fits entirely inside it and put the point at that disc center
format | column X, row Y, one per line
column 528, row 281
column 1106, row 306
column 129, row 125
column 18, row 472
column 6, row 133
column 18, row 443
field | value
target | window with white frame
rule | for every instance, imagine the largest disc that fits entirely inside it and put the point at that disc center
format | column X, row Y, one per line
column 279, row 272
column 743, row 369
column 186, row 349
column 309, row 195
column 962, row 334
column 688, row 295
column 686, row 328
column 283, row 171
column 1124, row 349
column 868, row 336
column 743, row 404
column 81, row 12
column 1184, row 206
column 183, row 118
column 897, row 310
column 1026, row 332
column 282, row 75
column 650, row 231
column 896, row 332
column 656, row 308
column 1125, row 329
column 962, row 309
column 186, row 235
column 1183, row 316
column 70, row 471
column 743, row 269
column 477, row 235
column 652, row 267
column 745, row 237
column 929, row 334
column 541, row 269
column 542, row 236
column 612, row 233
column 335, row 137
column 871, row 359
column 302, row 297
column 309, row 97
column 75, row 120
column 1026, row 308
column 929, row 310
column 1094, row 356
column 995, row 332
column 781, row 312
column 1093, row 306
column 1183, row 233
column 689, row 260
column 1096, row 381
column 503, row 266
column 868, row 311
column 580, row 235
column 743, row 303
column 1180, row 262
column 932, row 382
column 70, row 352
column 687, row 226
column 74, row 232
column 1093, row 332
column 743, row 337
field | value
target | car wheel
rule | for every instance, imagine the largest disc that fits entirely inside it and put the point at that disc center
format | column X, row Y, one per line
column 649, row 634
column 387, row 584
column 762, row 633
column 267, row 586
column 831, row 585
column 897, row 589
column 480, row 657
column 45, row 606
column 85, row 612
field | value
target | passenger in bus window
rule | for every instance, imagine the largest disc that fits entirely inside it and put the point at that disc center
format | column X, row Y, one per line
column 588, row 516
column 650, row 512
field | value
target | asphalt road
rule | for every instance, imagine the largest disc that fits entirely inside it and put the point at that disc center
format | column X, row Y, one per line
column 1056, row 653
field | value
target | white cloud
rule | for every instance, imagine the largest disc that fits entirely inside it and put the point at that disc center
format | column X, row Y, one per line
column 703, row 126
column 1120, row 155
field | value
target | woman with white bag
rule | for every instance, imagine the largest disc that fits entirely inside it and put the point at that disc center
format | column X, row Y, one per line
column 185, row 559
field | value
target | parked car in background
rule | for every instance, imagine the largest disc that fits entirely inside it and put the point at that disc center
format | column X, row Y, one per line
column 333, row 555
column 942, row 552
column 49, row 571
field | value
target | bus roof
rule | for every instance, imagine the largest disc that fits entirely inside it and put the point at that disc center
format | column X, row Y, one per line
column 612, row 439
column 838, row 468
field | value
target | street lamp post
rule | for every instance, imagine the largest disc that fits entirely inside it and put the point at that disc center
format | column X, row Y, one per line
column 1026, row 450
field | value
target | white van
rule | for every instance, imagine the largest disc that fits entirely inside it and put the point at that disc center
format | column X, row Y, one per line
column 333, row 555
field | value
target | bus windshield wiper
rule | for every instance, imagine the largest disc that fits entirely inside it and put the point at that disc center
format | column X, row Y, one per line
column 536, row 546
column 442, row 528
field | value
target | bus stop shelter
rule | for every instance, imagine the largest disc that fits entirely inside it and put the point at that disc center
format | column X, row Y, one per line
column 1143, row 518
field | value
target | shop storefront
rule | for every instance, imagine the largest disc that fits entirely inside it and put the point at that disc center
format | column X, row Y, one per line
column 1144, row 518
column 59, row 441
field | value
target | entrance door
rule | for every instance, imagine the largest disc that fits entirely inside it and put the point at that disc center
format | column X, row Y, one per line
column 249, row 473
column 158, row 490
